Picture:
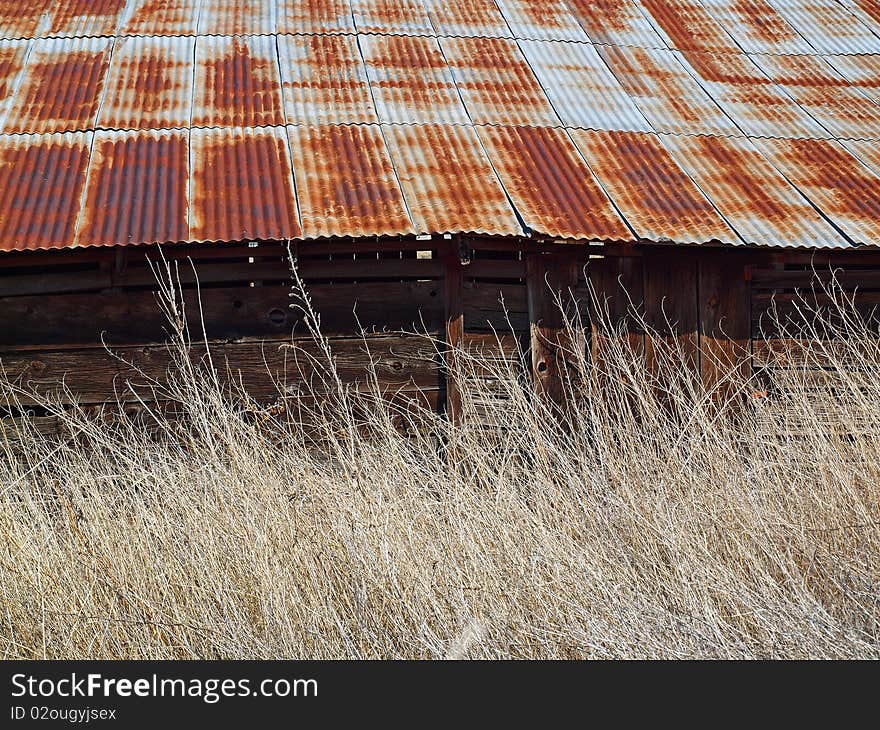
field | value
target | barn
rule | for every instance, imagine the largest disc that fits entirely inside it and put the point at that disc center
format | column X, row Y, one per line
column 439, row 166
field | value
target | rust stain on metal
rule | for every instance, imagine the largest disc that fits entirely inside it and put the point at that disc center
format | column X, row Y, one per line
column 687, row 24
column 551, row 185
column 23, row 19
column 325, row 81
column 61, row 87
column 237, row 83
column 242, row 186
column 618, row 22
column 448, row 181
column 542, row 20
column 665, row 92
column 41, row 183
column 241, row 17
column 149, row 85
column 314, row 16
column 657, row 198
column 496, row 82
column 72, row 18
column 828, row 26
column 12, row 54
column 346, row 184
column 160, row 17
column 473, row 18
column 757, row 26
column 408, row 17
column 757, row 201
column 137, row 189
column 861, row 72
column 836, row 182
column 410, row 80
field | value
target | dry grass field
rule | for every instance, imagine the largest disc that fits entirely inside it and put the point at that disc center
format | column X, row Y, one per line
column 659, row 521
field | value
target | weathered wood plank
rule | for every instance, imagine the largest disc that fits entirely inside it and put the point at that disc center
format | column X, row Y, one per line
column 454, row 313
column 618, row 303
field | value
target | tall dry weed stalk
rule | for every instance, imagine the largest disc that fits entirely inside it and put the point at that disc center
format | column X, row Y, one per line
column 655, row 522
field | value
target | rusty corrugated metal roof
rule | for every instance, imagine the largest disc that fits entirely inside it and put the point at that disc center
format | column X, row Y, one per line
column 149, row 85
column 41, row 184
column 241, row 185
column 835, row 182
column 666, row 94
column 325, row 80
column 136, row 190
column 657, row 198
column 448, row 181
column 581, row 88
column 496, row 82
column 490, row 116
column 551, row 185
column 751, row 194
column 346, row 183
column 237, row 82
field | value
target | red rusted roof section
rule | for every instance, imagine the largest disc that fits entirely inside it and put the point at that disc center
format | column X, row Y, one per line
column 553, row 189
column 868, row 11
column 757, row 26
column 547, row 20
column 496, row 82
column 149, row 85
column 346, row 184
column 688, row 25
column 825, row 94
column 41, row 183
column 862, row 72
column 12, row 55
column 472, row 18
column 448, row 181
column 751, row 194
column 619, row 22
column 835, row 182
column 160, row 17
column 410, row 81
column 75, row 18
column 236, row 17
column 866, row 151
column 314, row 16
column 237, row 82
column 828, row 26
column 61, row 87
column 137, row 189
column 325, row 80
column 669, row 97
column 407, row 17
column 23, row 19
column 242, row 186
column 657, row 198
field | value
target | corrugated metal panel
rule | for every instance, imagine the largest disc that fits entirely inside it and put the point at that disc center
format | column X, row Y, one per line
column 160, row 17
column 239, row 17
column 759, row 107
column 655, row 195
column 325, row 80
column 862, row 72
column 552, row 188
column 78, row 18
column 618, row 22
column 687, row 24
column 473, row 18
column 237, row 82
column 496, row 82
column 754, row 197
column 241, row 186
column 61, row 87
column 757, row 26
column 825, row 94
column 668, row 96
column 581, row 88
column 835, row 181
column 868, row 11
column 41, row 183
column 406, row 17
column 23, row 19
column 149, row 85
column 410, row 80
column 314, row 16
column 12, row 57
column 448, row 182
column 866, row 151
column 346, row 184
column 544, row 20
column 828, row 26
column 136, row 190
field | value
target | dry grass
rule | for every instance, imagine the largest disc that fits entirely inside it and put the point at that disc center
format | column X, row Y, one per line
column 657, row 524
